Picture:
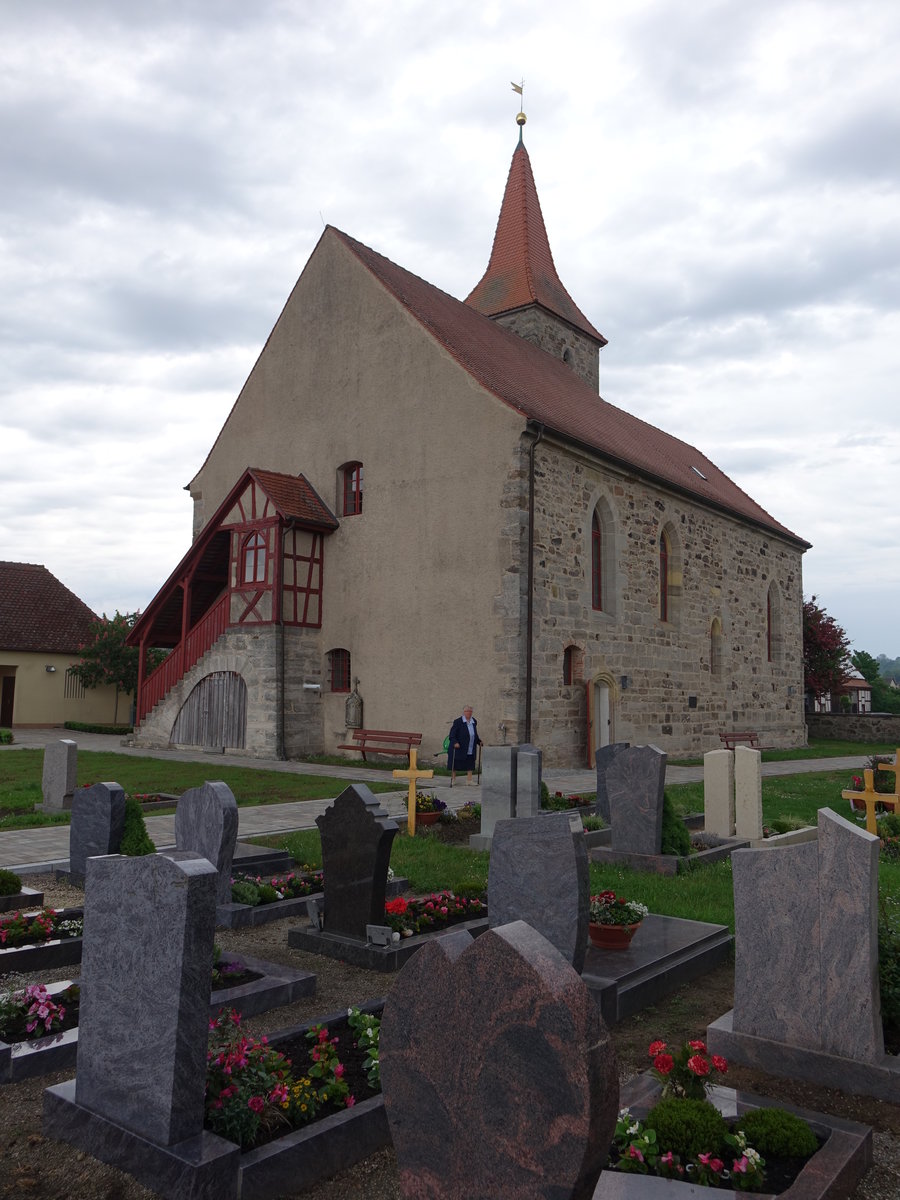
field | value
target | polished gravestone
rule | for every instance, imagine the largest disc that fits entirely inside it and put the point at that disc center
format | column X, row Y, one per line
column 635, row 782
column 539, row 874
column 499, row 785
column 98, row 820
column 529, row 762
column 603, row 760
column 806, row 993
column 498, row 1073
column 206, row 823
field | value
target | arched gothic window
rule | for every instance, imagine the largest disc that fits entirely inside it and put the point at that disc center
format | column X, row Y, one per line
column 664, row 555
column 596, row 563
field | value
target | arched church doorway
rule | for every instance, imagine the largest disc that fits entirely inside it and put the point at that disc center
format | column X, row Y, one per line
column 215, row 713
column 601, row 712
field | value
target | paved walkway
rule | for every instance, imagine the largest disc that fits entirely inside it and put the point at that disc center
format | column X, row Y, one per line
column 27, row 850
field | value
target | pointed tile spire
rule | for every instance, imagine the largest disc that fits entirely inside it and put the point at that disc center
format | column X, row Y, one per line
column 521, row 272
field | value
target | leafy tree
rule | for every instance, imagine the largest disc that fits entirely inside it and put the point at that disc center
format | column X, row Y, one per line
column 105, row 659
column 825, row 648
column 884, row 697
column 867, row 666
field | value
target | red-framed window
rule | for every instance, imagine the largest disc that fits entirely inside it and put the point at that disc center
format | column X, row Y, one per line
column 353, row 489
column 253, row 559
column 573, row 665
column 663, row 577
column 596, row 564
column 339, row 670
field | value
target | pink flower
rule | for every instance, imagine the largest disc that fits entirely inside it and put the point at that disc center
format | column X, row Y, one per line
column 339, row 1070
column 664, row 1063
column 635, row 1153
column 741, row 1165
column 701, row 1046
column 656, row 1048
column 719, row 1063
column 717, row 1165
column 698, row 1064
column 351, row 1100
column 256, row 1103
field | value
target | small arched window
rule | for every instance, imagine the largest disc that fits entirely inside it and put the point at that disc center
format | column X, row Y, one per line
column 573, row 665
column 339, row 670
column 254, row 559
column 596, row 563
column 353, row 489
column 664, row 576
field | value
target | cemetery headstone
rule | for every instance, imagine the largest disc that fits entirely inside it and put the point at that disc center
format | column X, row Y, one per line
column 748, row 820
column 603, row 758
column 98, row 819
column 59, row 776
column 806, row 942
column 499, row 784
column 529, row 762
column 718, row 793
column 145, row 970
column 479, row 1084
column 635, row 783
column 539, row 874
column 356, row 835
column 206, row 823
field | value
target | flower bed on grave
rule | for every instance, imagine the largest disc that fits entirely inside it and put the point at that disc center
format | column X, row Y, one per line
column 428, row 914
column 254, row 890
column 41, row 940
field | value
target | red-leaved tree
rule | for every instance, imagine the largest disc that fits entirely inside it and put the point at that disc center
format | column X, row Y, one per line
column 825, row 649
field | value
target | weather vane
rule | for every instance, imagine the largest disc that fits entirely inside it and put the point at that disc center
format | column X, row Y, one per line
column 521, row 118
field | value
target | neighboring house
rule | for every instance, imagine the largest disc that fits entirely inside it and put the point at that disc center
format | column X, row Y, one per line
column 855, row 696
column 42, row 628
column 430, row 497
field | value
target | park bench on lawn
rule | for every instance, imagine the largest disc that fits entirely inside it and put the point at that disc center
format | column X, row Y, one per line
column 382, row 741
column 746, row 738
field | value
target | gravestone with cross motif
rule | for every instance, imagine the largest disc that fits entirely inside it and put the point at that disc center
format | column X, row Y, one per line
column 356, row 835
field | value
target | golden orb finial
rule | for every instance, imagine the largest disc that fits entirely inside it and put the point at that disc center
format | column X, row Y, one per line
column 521, row 119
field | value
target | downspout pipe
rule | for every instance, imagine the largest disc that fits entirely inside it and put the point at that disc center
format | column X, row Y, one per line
column 529, row 602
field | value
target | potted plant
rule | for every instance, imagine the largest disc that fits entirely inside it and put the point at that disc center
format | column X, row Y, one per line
column 614, row 921
column 428, row 808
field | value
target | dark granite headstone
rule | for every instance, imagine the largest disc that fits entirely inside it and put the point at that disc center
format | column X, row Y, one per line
column 206, row 823
column 603, row 759
column 539, row 874
column 356, row 835
column 146, row 971
column 98, row 819
column 498, row 1073
column 635, row 783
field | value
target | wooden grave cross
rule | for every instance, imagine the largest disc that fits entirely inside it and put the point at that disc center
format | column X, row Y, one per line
column 892, row 767
column 413, row 774
column 870, row 797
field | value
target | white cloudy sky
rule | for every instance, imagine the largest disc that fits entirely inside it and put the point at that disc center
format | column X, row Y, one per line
column 719, row 180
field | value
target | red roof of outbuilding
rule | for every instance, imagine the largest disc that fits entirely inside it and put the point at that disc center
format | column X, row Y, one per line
column 521, row 270
column 295, row 498
column 546, row 391
column 38, row 613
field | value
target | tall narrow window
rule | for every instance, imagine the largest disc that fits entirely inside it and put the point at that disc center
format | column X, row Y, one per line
column 573, row 665
column 774, row 643
column 769, row 626
column 353, row 489
column 339, row 670
column 663, row 577
column 715, row 647
column 254, row 559
column 596, row 563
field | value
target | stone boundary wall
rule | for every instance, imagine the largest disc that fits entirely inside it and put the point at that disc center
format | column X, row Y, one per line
column 854, row 727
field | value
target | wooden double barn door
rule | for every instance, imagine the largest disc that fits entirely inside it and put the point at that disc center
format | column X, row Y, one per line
column 215, row 713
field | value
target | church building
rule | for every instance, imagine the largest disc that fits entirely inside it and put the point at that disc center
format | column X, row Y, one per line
column 418, row 502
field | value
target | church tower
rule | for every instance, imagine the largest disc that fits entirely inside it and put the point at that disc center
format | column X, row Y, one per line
column 521, row 289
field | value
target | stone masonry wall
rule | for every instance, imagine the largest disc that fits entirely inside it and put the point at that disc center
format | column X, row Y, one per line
column 855, row 727
column 557, row 339
column 303, row 662
column 662, row 687
column 510, row 607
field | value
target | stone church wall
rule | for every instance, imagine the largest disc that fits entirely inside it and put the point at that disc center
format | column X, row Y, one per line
column 663, row 687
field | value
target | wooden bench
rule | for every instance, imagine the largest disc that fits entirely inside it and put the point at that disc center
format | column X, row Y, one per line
column 389, row 742
column 747, row 738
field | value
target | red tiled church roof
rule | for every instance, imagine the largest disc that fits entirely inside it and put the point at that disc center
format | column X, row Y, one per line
column 521, row 269
column 38, row 613
column 546, row 391
column 295, row 498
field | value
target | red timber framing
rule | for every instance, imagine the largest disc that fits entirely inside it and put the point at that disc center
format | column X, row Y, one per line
column 259, row 560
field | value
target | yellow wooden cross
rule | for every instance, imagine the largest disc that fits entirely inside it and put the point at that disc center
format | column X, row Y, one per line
column 891, row 767
column 414, row 773
column 871, row 798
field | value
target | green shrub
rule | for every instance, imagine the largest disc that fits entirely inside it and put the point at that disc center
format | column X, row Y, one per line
column 687, row 1127
column 593, row 822
column 545, row 794
column 244, row 892
column 135, row 839
column 6, row 737
column 889, row 974
column 675, row 836
column 889, row 825
column 10, row 883
column 883, row 780
column 267, row 894
column 469, row 889
column 774, row 1131
column 87, row 727
column 787, row 824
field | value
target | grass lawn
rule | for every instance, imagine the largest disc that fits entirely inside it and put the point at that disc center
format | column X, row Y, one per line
column 798, row 796
column 21, row 771
column 815, row 749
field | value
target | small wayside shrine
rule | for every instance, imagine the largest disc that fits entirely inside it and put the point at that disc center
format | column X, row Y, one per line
column 256, row 569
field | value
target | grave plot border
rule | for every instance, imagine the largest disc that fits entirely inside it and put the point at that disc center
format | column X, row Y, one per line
column 44, row 956
column 210, row 1168
column 878, row 1079
column 831, row 1173
column 669, row 864
column 363, row 954
column 242, row 916
column 666, row 953
column 277, row 986
column 27, row 899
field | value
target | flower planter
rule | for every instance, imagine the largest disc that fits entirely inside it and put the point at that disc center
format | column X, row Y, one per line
column 427, row 818
column 612, row 937
column 44, row 956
